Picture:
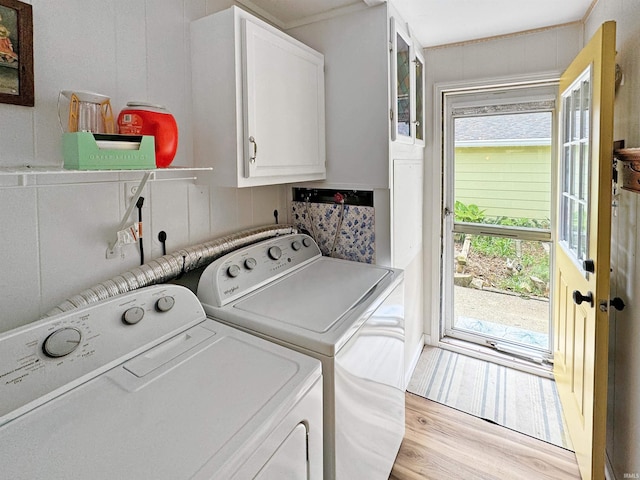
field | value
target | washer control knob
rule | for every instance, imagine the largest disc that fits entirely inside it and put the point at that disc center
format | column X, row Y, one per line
column 296, row 245
column 62, row 342
column 306, row 242
column 133, row 315
column 274, row 252
column 250, row 263
column 233, row 271
column 165, row 303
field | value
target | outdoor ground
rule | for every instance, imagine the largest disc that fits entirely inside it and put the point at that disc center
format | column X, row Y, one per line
column 506, row 309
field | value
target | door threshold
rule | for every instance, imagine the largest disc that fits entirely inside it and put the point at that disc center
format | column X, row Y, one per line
column 500, row 358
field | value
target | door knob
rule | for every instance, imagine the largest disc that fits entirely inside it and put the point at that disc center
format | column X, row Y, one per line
column 578, row 297
column 589, row 266
column 617, row 303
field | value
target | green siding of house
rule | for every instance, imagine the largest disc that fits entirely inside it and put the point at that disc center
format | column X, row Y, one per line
column 505, row 180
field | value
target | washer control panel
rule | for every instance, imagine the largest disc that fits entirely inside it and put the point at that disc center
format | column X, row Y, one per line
column 50, row 356
column 244, row 270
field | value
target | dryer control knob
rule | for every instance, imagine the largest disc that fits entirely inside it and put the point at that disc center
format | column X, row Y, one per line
column 306, row 242
column 275, row 253
column 250, row 263
column 233, row 271
column 62, row 342
column 166, row 303
column 296, row 245
column 133, row 315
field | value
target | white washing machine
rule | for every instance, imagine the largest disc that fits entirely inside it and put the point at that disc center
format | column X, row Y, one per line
column 144, row 386
column 349, row 315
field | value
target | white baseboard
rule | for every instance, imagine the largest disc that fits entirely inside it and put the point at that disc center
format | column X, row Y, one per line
column 414, row 361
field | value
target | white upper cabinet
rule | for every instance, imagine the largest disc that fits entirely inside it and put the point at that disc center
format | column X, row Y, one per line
column 258, row 102
column 407, row 88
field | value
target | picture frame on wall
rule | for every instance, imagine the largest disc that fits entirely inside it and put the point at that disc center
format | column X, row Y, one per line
column 16, row 53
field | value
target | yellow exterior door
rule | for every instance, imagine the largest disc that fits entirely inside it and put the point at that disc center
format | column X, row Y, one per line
column 581, row 300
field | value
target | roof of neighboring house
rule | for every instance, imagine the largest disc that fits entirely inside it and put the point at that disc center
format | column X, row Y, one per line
column 512, row 129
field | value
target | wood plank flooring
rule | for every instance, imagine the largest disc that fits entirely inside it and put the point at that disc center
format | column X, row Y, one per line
column 442, row 443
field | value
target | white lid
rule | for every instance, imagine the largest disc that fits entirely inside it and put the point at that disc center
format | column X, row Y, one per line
column 89, row 97
column 147, row 106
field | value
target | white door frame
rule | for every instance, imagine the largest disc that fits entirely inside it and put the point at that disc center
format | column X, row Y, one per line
column 435, row 284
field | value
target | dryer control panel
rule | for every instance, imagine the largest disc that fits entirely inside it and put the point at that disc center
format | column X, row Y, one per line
column 249, row 268
column 46, row 358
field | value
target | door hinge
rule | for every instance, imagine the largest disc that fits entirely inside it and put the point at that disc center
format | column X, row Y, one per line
column 391, row 114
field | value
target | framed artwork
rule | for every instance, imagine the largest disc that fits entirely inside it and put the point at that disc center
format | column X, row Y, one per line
column 16, row 53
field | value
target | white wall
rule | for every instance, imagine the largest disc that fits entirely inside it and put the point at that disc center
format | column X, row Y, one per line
column 55, row 227
column 532, row 53
column 623, row 439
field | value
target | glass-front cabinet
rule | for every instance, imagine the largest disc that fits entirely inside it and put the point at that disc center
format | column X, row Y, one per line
column 418, row 124
column 407, row 87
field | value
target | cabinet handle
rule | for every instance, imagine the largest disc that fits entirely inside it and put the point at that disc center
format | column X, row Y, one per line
column 255, row 149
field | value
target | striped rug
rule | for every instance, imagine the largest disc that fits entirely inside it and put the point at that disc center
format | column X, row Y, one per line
column 517, row 400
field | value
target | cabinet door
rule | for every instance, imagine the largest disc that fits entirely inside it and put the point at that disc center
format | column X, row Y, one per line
column 418, row 121
column 283, row 98
column 401, row 84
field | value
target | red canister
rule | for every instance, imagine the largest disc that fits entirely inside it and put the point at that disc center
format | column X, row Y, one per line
column 140, row 118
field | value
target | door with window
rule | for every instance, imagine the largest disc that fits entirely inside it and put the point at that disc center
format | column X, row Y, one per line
column 499, row 151
column 581, row 303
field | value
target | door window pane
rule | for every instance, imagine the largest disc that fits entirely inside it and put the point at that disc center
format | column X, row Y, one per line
column 503, row 169
column 499, row 266
column 585, row 96
column 584, row 167
column 575, row 170
column 582, row 246
column 574, row 198
column 576, row 114
column 574, row 223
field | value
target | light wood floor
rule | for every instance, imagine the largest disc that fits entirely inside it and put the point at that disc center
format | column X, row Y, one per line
column 442, row 443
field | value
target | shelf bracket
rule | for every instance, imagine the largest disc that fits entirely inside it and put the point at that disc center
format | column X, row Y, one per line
column 113, row 250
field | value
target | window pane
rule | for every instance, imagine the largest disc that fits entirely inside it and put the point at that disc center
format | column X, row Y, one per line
column 573, row 226
column 566, row 122
column 565, row 218
column 566, row 162
column 584, row 161
column 576, row 104
column 582, row 247
column 500, row 265
column 575, row 169
column 419, row 100
column 584, row 119
column 574, row 208
column 503, row 169
column 403, row 81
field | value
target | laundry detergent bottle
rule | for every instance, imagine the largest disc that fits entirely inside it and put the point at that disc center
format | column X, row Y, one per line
column 140, row 118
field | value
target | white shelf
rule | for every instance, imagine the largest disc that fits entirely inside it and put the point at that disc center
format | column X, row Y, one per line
column 33, row 176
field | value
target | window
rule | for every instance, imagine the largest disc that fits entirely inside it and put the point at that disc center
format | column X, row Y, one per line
column 574, row 210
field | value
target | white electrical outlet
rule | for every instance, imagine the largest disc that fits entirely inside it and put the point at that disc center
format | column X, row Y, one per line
column 130, row 191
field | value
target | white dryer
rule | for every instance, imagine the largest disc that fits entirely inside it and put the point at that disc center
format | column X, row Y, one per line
column 349, row 315
column 144, row 386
